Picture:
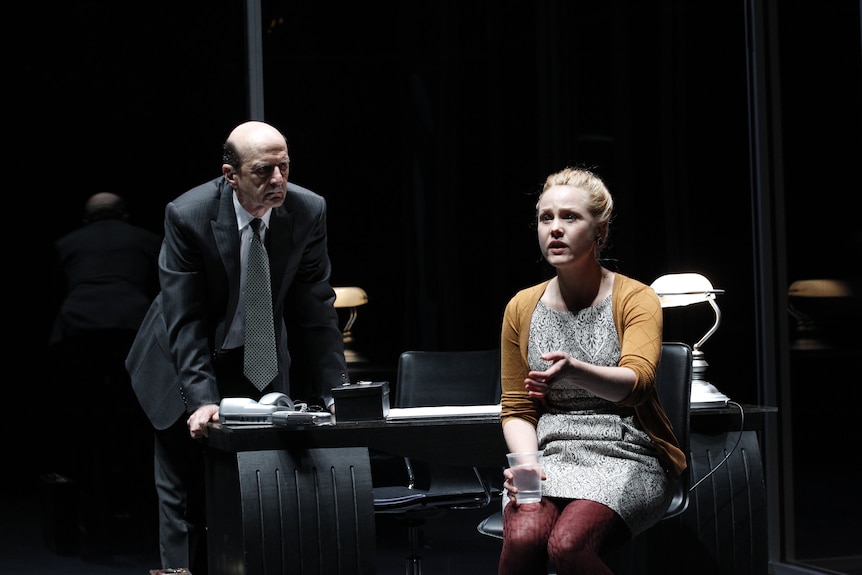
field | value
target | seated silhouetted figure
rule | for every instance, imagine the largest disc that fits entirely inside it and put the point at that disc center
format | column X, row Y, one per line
column 106, row 275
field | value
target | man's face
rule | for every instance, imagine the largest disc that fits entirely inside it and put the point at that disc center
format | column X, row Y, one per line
column 261, row 182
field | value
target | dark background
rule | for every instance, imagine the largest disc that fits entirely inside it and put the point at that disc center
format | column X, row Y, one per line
column 429, row 126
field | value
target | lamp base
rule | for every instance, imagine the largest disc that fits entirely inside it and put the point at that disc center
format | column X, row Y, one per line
column 704, row 395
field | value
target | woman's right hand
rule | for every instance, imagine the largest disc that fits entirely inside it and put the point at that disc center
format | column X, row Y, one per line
column 511, row 490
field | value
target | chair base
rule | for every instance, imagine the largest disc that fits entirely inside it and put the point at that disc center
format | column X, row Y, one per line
column 414, row 566
column 415, row 543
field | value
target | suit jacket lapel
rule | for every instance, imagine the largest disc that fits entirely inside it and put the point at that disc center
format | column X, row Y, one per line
column 227, row 240
column 281, row 235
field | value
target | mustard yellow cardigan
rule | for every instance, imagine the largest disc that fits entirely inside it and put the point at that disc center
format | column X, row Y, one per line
column 638, row 319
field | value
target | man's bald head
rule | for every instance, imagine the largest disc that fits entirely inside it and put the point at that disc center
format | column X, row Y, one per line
column 105, row 205
column 248, row 137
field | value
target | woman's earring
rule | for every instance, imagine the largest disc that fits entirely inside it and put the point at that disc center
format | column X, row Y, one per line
column 598, row 240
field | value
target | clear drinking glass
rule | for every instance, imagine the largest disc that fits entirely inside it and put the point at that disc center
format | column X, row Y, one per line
column 527, row 470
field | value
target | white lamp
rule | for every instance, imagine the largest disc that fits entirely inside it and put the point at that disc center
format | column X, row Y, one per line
column 350, row 297
column 677, row 290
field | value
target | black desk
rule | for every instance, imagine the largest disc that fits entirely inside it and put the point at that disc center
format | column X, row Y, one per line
column 299, row 500
column 437, row 439
column 728, row 510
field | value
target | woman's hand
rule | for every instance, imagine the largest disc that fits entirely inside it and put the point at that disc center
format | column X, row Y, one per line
column 509, row 486
column 539, row 382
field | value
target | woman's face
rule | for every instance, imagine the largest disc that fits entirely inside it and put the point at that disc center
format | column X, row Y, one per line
column 566, row 229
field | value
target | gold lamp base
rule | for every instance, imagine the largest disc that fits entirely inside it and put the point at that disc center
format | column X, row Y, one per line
column 350, row 298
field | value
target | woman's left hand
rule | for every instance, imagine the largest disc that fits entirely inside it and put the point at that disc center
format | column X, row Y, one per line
column 539, row 382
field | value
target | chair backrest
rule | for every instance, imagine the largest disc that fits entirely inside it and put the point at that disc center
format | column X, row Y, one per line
column 673, row 384
column 431, row 378
column 428, row 378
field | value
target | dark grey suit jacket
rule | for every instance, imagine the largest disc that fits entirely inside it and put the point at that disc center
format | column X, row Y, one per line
column 171, row 360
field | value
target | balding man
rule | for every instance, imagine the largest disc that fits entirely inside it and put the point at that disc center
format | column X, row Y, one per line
column 106, row 276
column 189, row 351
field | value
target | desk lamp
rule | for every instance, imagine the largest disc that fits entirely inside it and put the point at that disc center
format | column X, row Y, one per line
column 820, row 307
column 678, row 290
column 350, row 297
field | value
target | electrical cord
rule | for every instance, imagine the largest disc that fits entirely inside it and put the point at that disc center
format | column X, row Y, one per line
column 729, row 453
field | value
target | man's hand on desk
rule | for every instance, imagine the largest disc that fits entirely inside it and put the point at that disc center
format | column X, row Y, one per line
column 197, row 421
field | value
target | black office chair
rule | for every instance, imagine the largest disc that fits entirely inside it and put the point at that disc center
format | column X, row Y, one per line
column 430, row 378
column 673, row 384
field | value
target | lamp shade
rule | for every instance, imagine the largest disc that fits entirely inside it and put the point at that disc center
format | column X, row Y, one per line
column 350, row 297
column 820, row 288
column 676, row 290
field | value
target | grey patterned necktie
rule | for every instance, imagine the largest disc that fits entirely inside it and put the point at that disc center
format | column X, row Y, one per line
column 260, row 360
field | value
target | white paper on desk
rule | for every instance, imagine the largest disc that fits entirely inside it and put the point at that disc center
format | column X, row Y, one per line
column 442, row 411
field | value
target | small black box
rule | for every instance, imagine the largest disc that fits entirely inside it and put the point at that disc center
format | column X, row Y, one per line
column 363, row 401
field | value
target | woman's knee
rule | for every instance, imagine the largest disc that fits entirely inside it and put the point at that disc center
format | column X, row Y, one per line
column 531, row 523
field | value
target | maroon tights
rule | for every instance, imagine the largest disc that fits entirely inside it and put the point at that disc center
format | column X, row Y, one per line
column 572, row 534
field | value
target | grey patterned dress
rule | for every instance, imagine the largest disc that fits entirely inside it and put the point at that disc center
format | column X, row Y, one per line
column 594, row 449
